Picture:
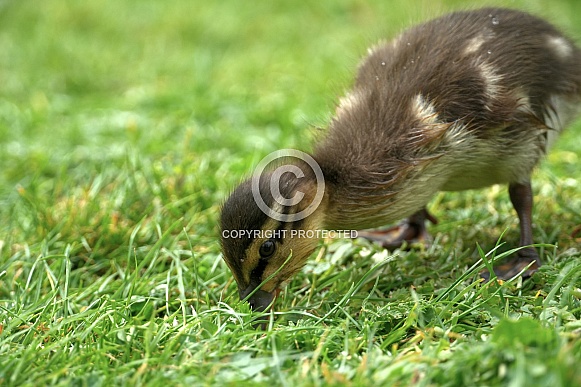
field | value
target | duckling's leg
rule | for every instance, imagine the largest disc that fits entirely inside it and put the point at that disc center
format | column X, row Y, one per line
column 411, row 230
column 521, row 196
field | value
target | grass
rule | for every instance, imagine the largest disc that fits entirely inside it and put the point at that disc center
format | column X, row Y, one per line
column 123, row 126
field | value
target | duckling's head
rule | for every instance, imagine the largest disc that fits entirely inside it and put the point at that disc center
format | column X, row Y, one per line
column 268, row 239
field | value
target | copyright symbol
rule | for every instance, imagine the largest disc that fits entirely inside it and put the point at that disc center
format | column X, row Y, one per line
column 274, row 185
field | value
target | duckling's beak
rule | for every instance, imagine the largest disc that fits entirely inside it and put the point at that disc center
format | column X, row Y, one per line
column 260, row 300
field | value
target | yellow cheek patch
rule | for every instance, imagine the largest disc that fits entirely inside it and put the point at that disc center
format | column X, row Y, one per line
column 290, row 259
column 299, row 244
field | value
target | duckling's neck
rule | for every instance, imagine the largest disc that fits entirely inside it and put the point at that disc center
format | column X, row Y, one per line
column 375, row 172
column 363, row 192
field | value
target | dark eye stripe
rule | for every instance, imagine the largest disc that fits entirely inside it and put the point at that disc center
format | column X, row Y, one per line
column 259, row 269
column 247, row 241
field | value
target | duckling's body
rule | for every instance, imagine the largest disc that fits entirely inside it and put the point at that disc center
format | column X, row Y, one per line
column 461, row 102
column 464, row 101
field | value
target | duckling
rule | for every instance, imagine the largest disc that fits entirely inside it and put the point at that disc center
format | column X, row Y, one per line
column 465, row 101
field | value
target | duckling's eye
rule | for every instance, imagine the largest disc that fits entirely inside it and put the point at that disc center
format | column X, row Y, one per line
column 267, row 249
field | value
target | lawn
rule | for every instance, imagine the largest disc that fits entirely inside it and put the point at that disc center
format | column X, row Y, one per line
column 123, row 127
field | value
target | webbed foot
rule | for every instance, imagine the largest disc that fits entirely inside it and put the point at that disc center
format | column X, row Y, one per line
column 516, row 264
column 410, row 231
column 521, row 196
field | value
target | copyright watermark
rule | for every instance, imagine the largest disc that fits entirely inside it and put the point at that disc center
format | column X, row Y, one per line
column 281, row 234
column 273, row 211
